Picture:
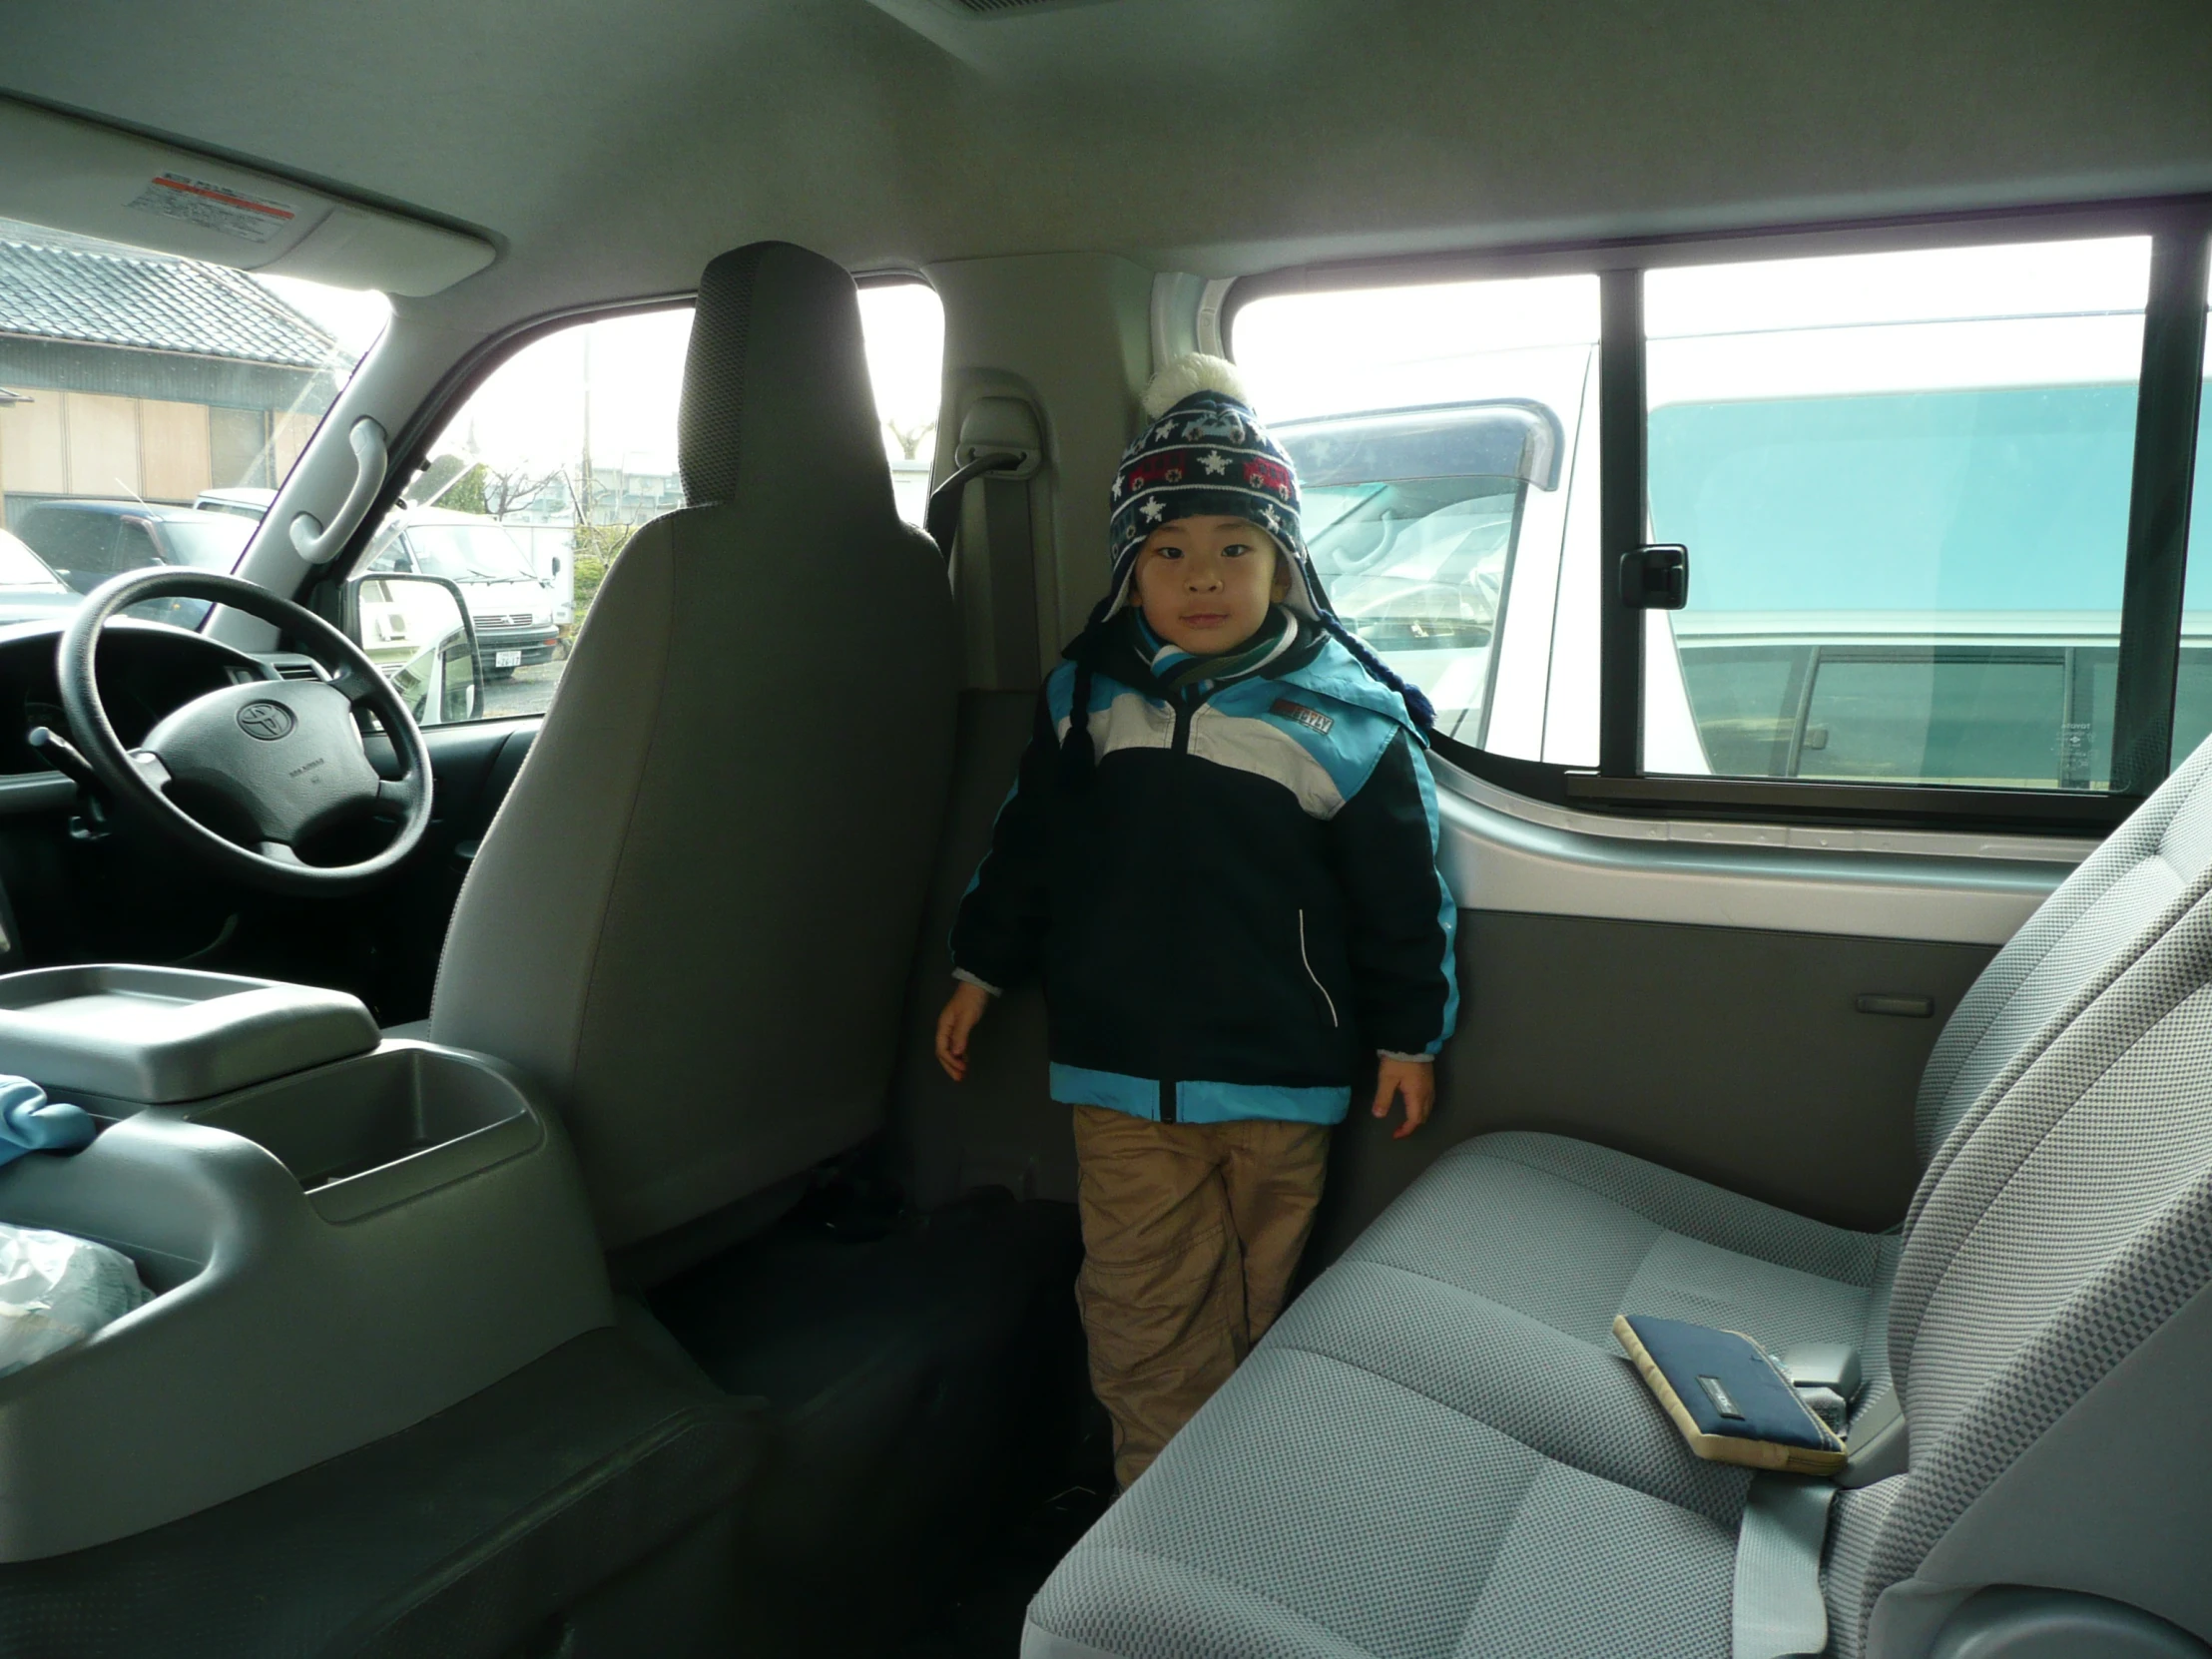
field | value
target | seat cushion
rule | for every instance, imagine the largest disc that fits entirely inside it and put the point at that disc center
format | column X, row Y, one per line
column 1417, row 1530
column 1569, row 1234
column 1439, row 1448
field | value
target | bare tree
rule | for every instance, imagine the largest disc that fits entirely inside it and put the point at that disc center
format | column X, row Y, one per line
column 509, row 488
column 910, row 438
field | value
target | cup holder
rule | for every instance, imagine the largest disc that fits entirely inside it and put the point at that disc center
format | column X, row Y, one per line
column 383, row 1127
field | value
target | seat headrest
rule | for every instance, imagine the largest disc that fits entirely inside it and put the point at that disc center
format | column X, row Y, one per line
column 776, row 382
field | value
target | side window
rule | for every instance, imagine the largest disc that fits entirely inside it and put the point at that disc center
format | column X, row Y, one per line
column 1904, row 481
column 563, row 453
column 134, row 545
column 1440, row 433
column 2193, row 683
column 77, row 545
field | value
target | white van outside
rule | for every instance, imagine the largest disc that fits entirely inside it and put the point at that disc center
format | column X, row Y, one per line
column 514, row 607
column 1888, row 529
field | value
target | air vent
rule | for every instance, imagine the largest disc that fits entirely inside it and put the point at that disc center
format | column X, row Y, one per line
column 295, row 668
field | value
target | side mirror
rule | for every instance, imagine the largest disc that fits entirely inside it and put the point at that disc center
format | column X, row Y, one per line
column 554, row 565
column 418, row 633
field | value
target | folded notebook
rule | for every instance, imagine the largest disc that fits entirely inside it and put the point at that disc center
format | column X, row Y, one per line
column 1731, row 1402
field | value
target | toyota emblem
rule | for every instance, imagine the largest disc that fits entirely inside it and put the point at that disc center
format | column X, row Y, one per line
column 265, row 721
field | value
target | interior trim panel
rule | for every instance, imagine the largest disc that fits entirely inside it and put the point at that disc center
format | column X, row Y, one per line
column 1504, row 852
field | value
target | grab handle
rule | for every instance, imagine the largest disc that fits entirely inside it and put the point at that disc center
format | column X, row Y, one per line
column 310, row 539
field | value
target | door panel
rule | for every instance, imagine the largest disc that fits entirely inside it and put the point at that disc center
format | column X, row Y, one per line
column 473, row 767
column 1735, row 1055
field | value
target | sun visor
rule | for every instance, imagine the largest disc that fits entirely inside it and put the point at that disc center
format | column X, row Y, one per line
column 73, row 175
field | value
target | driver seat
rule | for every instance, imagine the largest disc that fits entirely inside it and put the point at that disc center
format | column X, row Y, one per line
column 693, row 920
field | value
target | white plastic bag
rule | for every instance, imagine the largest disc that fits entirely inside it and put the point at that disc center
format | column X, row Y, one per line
column 55, row 1290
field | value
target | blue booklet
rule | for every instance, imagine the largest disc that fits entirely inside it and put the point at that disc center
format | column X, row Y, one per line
column 1731, row 1402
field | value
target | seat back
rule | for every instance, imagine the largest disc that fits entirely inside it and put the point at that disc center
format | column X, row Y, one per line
column 2051, row 1329
column 2102, row 918
column 693, row 919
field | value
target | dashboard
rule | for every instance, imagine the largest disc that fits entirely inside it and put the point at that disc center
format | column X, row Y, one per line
column 146, row 671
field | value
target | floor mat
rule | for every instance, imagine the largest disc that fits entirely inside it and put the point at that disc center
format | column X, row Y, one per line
column 982, row 1618
column 926, row 1393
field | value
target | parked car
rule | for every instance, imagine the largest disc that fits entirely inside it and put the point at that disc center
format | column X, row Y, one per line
column 27, row 587
column 512, row 607
column 241, row 501
column 84, row 542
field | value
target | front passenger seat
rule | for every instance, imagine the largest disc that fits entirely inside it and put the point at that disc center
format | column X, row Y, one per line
column 693, row 919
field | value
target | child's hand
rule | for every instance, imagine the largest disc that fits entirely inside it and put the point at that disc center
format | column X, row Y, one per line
column 1409, row 1080
column 962, row 1009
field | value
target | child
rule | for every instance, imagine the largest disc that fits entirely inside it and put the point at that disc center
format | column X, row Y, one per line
column 1225, row 873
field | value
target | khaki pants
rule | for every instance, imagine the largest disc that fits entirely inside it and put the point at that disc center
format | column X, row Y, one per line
column 1191, row 1232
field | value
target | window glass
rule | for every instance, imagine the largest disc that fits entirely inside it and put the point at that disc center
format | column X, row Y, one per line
column 149, row 405
column 563, row 453
column 1438, row 432
column 1904, row 481
column 904, row 325
column 2193, row 683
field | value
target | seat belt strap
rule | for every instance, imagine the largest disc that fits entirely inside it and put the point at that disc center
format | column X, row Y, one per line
column 941, row 519
column 1779, row 1611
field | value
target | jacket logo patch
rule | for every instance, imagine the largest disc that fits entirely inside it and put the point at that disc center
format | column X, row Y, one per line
column 1311, row 719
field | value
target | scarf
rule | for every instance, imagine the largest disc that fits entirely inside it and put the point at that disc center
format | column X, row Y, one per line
column 1180, row 670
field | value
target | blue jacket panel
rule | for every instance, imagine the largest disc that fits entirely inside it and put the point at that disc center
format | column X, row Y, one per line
column 1234, row 901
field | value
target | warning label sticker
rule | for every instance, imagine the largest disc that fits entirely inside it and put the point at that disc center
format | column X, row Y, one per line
column 214, row 208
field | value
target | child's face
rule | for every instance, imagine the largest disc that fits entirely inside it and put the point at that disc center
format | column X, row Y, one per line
column 1205, row 583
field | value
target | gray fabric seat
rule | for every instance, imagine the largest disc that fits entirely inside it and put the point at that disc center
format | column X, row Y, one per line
column 670, row 925
column 1438, row 1448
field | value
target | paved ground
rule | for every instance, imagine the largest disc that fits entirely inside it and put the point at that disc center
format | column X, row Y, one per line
column 527, row 693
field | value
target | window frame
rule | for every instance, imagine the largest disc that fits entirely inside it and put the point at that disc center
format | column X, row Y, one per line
column 2168, row 389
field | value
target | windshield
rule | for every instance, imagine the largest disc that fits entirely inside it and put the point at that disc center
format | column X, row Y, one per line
column 469, row 553
column 211, row 543
column 1418, row 567
column 144, row 380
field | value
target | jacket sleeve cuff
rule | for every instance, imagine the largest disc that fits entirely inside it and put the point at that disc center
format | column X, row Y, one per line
column 967, row 978
column 1416, row 1059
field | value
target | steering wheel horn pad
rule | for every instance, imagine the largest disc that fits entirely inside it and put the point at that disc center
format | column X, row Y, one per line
column 285, row 756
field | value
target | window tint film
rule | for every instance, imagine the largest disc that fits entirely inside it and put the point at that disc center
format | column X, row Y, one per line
column 1437, row 431
column 151, row 406
column 558, row 458
column 1904, row 482
column 2193, row 680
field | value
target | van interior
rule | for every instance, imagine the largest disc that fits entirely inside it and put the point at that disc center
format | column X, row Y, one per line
column 533, row 540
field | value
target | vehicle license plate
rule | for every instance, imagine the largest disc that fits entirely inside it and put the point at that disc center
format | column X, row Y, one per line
column 506, row 659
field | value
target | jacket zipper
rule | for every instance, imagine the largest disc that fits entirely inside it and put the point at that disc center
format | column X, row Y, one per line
column 1311, row 974
column 1185, row 706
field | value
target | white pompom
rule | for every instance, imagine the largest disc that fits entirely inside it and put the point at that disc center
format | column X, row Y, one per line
column 1195, row 372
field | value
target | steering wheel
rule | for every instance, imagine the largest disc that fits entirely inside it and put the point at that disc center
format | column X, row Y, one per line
column 287, row 755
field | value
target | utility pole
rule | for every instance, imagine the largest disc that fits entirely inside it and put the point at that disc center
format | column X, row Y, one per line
column 584, row 485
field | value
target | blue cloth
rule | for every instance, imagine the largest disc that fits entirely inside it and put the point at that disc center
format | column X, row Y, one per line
column 29, row 1122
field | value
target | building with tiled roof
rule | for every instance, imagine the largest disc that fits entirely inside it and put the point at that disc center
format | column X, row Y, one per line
column 134, row 374
column 148, row 301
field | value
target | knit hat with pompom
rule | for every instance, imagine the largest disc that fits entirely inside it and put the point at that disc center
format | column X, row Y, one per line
column 1206, row 454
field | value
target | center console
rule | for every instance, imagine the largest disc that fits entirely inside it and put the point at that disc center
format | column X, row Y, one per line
column 345, row 1233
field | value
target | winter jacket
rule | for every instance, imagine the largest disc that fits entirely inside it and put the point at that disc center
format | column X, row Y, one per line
column 1234, row 901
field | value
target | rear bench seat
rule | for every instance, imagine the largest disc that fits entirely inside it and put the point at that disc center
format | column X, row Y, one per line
column 1439, row 1450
